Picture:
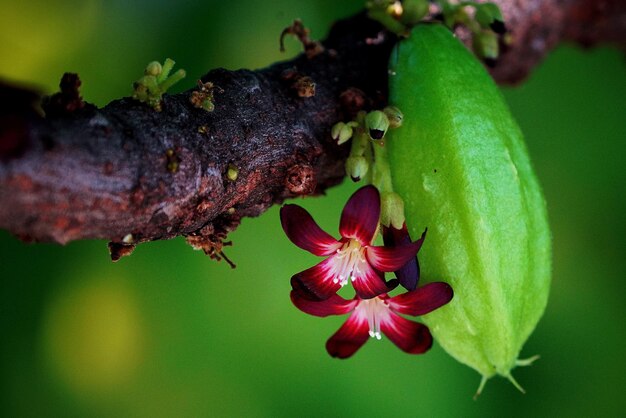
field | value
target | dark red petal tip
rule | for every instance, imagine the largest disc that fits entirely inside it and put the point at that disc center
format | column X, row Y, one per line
column 361, row 214
column 422, row 300
column 411, row 337
column 302, row 291
column 335, row 305
column 349, row 338
column 302, row 230
column 317, row 281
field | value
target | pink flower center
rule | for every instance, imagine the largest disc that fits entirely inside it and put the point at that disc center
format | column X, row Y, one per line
column 374, row 310
column 349, row 263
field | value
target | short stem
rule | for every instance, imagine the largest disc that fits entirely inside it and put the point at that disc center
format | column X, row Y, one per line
column 369, row 157
column 359, row 144
column 381, row 173
column 392, row 206
column 173, row 79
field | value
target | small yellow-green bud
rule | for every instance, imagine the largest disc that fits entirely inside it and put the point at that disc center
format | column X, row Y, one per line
column 232, row 173
column 208, row 105
column 394, row 115
column 376, row 124
column 154, row 68
column 392, row 210
column 356, row 167
column 155, row 81
column 413, row 11
column 384, row 14
column 485, row 44
column 341, row 132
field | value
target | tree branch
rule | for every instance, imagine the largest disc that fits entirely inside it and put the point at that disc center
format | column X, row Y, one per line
column 129, row 174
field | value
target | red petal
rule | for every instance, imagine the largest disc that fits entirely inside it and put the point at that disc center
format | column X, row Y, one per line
column 349, row 338
column 392, row 258
column 335, row 305
column 302, row 230
column 361, row 214
column 411, row 337
column 370, row 283
column 422, row 300
column 318, row 279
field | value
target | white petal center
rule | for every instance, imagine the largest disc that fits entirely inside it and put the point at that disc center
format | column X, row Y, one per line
column 349, row 262
column 375, row 311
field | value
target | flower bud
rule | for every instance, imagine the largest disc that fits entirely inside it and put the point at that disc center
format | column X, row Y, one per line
column 394, row 115
column 356, row 167
column 341, row 132
column 413, row 11
column 392, row 210
column 232, row 172
column 485, row 43
column 154, row 68
column 376, row 124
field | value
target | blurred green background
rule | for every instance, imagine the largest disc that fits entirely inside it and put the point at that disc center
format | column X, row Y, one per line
column 169, row 332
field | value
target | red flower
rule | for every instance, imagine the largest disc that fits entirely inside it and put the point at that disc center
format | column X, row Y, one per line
column 352, row 258
column 371, row 317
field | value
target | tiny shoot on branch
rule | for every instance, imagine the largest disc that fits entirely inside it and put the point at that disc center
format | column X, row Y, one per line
column 155, row 82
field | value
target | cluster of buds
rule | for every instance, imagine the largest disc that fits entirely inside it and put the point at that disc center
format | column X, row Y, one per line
column 367, row 130
column 484, row 20
column 155, row 82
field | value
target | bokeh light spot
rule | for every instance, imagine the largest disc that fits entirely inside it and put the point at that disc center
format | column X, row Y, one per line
column 93, row 336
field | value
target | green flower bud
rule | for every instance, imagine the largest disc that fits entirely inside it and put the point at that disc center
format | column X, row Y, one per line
column 376, row 124
column 341, row 132
column 385, row 12
column 391, row 210
column 485, row 44
column 413, row 11
column 154, row 68
column 356, row 167
column 394, row 115
column 156, row 81
column 461, row 166
column 232, row 173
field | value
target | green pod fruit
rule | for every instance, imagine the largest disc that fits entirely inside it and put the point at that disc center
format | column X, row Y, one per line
column 461, row 166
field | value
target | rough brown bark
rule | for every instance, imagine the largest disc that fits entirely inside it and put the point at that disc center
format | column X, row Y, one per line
column 128, row 174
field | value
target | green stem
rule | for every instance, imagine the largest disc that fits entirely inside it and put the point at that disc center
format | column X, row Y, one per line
column 381, row 173
column 359, row 144
column 369, row 157
column 173, row 79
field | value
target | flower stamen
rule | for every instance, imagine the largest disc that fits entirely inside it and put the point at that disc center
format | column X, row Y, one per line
column 373, row 309
column 348, row 262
